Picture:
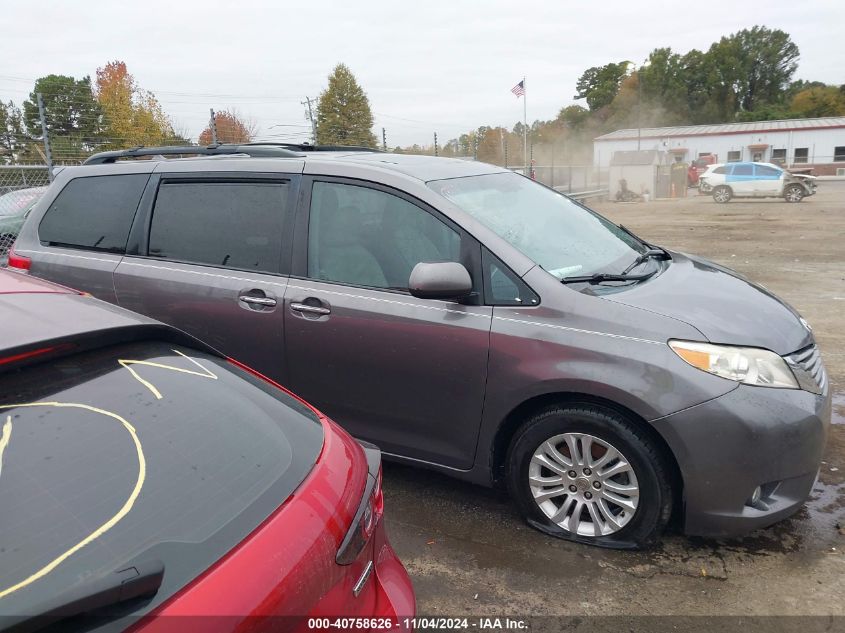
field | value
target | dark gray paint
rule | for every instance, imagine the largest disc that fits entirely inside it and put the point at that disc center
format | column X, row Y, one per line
column 434, row 382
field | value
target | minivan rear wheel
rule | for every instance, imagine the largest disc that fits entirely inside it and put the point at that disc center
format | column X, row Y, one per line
column 586, row 474
column 722, row 194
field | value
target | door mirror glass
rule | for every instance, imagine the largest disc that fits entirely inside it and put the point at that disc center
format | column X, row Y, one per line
column 440, row 280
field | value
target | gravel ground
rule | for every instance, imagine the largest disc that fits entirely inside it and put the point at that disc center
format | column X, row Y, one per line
column 469, row 554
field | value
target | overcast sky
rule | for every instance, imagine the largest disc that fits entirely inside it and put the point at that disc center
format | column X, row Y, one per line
column 444, row 66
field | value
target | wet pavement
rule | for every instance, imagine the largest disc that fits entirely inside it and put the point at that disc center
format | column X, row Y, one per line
column 469, row 554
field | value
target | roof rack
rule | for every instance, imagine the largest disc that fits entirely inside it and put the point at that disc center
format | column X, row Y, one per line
column 307, row 147
column 265, row 150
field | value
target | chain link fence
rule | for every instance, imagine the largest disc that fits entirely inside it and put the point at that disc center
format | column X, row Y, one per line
column 20, row 188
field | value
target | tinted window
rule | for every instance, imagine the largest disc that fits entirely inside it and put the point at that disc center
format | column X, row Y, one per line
column 502, row 287
column 94, row 212
column 743, row 170
column 719, row 170
column 221, row 449
column 839, row 153
column 367, row 237
column 231, row 224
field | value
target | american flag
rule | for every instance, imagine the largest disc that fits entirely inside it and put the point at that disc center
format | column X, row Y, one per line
column 519, row 89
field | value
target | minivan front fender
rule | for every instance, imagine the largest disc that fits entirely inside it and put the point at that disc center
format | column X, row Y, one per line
column 536, row 362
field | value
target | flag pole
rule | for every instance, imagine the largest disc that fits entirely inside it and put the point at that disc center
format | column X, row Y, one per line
column 525, row 171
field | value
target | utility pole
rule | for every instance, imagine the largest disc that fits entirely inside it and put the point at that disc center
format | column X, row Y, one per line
column 311, row 118
column 212, row 123
column 48, row 156
column 435, row 145
column 475, row 149
column 383, row 139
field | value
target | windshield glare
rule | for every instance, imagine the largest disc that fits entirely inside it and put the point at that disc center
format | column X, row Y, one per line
column 561, row 236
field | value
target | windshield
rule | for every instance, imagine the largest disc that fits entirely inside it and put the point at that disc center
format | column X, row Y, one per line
column 563, row 237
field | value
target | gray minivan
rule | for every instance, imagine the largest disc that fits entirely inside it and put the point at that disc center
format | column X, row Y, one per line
column 466, row 319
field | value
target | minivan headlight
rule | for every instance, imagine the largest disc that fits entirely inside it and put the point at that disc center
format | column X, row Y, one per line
column 749, row 365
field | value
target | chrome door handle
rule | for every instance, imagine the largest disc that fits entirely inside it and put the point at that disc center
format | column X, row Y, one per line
column 262, row 301
column 304, row 307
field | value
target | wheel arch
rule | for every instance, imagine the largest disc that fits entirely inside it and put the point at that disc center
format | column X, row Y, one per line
column 517, row 416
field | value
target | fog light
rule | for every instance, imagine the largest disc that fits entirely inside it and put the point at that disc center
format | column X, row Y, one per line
column 755, row 497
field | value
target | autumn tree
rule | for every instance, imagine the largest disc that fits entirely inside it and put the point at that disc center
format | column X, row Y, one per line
column 343, row 112
column 231, row 128
column 132, row 116
column 819, row 101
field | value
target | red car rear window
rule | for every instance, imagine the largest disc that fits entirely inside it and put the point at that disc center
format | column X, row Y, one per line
column 137, row 452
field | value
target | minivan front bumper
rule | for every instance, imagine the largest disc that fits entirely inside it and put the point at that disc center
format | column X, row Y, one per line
column 749, row 437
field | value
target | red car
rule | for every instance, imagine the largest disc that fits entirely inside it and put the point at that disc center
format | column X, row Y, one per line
column 143, row 475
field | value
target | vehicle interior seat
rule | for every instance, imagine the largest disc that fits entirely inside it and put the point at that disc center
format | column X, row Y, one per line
column 339, row 253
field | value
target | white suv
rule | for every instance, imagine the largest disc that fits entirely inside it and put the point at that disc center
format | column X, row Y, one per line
column 755, row 180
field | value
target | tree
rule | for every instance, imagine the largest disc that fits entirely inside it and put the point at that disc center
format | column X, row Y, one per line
column 69, row 108
column 819, row 101
column 755, row 65
column 13, row 141
column 574, row 116
column 599, row 84
column 132, row 116
column 231, row 128
column 343, row 112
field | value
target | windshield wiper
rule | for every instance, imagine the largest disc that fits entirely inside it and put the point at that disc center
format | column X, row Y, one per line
column 651, row 252
column 600, row 277
column 136, row 580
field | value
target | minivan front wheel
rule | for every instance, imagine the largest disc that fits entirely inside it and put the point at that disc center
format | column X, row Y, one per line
column 586, row 474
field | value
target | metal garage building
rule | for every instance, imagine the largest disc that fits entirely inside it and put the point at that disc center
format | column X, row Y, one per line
column 795, row 143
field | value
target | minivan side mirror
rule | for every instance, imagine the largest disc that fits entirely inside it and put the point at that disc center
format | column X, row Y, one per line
column 440, row 280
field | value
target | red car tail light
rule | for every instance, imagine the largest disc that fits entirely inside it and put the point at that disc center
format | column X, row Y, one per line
column 17, row 262
column 365, row 522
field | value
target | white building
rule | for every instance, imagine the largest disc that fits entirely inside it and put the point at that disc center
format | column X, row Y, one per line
column 796, row 143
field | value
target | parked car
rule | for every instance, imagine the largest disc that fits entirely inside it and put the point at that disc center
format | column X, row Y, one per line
column 698, row 167
column 142, row 474
column 465, row 319
column 14, row 207
column 755, row 180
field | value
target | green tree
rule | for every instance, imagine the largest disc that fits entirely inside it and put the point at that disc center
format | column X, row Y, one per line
column 599, row 84
column 574, row 116
column 343, row 112
column 13, row 140
column 69, row 108
column 754, row 66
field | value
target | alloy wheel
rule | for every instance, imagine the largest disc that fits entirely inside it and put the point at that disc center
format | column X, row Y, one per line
column 583, row 484
column 794, row 194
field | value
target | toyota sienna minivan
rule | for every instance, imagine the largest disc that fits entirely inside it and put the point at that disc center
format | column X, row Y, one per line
column 467, row 319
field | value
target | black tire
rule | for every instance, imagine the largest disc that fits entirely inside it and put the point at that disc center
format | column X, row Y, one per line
column 652, row 476
column 722, row 194
column 794, row 193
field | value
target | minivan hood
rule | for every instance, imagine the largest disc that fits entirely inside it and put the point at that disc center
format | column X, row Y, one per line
column 721, row 304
